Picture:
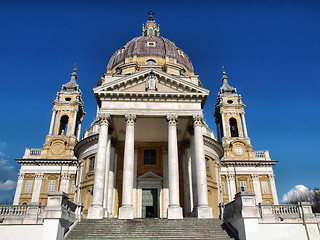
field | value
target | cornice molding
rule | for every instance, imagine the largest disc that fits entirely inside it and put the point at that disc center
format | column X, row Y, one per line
column 249, row 163
column 39, row 162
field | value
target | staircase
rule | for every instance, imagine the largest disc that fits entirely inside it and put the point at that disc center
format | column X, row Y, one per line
column 189, row 228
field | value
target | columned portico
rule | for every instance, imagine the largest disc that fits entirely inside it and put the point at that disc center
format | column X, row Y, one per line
column 126, row 210
column 202, row 209
column 174, row 209
column 96, row 209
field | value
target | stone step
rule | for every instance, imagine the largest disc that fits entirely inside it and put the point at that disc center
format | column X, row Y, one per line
column 189, row 228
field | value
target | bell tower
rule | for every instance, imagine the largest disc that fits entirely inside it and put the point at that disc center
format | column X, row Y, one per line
column 65, row 126
column 231, row 124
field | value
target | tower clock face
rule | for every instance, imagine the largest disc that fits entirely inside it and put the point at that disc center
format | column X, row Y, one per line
column 238, row 150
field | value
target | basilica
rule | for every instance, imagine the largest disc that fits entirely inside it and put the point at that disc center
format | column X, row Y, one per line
column 149, row 152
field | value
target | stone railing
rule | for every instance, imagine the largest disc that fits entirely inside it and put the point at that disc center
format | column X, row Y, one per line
column 262, row 155
column 280, row 211
column 22, row 214
column 34, row 153
column 18, row 210
column 92, row 130
column 286, row 221
column 208, row 132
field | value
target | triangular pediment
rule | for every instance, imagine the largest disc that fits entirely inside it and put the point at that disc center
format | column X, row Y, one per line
column 149, row 175
column 137, row 83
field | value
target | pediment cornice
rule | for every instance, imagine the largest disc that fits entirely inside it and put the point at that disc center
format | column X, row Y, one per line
column 130, row 80
column 182, row 89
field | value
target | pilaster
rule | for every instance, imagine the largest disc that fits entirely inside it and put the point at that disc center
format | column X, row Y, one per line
column 37, row 187
column 18, row 189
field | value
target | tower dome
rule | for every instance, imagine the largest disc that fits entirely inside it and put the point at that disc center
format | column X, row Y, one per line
column 150, row 49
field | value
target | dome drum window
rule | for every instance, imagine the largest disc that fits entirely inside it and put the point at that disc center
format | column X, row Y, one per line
column 151, row 44
column 151, row 62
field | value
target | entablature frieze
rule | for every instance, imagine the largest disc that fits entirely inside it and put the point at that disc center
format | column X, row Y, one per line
column 44, row 162
column 249, row 163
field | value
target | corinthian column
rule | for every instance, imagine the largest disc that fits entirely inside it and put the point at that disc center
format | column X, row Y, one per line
column 126, row 211
column 96, row 209
column 174, row 209
column 202, row 209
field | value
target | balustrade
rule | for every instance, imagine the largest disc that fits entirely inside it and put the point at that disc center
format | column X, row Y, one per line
column 262, row 155
column 32, row 153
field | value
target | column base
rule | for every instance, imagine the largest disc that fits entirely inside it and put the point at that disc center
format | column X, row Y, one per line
column 202, row 212
column 107, row 214
column 126, row 212
column 95, row 212
column 174, row 212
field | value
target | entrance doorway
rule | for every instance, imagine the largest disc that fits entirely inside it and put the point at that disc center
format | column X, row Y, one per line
column 150, row 203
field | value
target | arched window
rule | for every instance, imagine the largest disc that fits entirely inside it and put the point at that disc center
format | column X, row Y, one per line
column 151, row 62
column 150, row 31
column 233, row 127
column 63, row 125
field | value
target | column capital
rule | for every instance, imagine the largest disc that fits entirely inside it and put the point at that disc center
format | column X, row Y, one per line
column 130, row 119
column 104, row 118
column 230, row 177
column 172, row 119
column 197, row 119
column 255, row 177
column 39, row 175
column 65, row 176
column 271, row 176
column 21, row 175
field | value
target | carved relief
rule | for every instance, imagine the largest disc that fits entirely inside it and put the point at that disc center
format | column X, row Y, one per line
column 255, row 177
column 104, row 118
column 197, row 119
column 58, row 147
column 172, row 119
column 39, row 176
column 130, row 119
column 230, row 177
column 21, row 175
column 152, row 82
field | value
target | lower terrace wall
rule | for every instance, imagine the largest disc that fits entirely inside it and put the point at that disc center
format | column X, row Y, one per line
column 266, row 221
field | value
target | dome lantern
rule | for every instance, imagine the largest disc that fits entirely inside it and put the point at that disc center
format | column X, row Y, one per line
column 151, row 28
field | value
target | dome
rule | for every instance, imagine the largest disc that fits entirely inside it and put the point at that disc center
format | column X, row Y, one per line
column 151, row 45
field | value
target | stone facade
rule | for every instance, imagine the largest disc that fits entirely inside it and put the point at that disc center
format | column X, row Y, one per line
column 149, row 152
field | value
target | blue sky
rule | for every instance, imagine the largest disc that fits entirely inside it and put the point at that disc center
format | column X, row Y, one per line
column 270, row 49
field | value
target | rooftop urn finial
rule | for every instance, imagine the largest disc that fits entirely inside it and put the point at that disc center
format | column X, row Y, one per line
column 226, row 88
column 151, row 28
column 72, row 85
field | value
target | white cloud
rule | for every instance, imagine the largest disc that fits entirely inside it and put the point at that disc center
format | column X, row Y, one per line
column 4, row 165
column 1, row 154
column 299, row 193
column 7, row 185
